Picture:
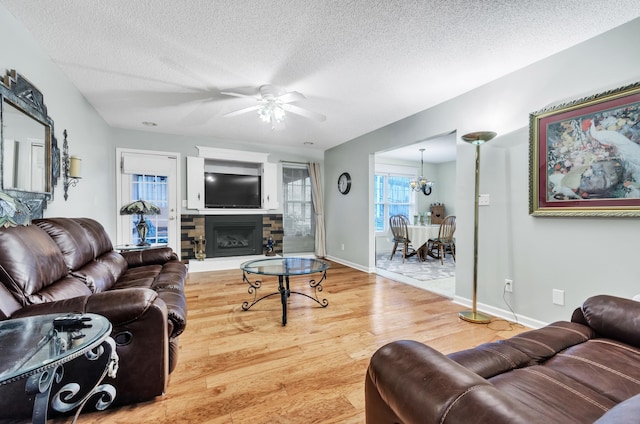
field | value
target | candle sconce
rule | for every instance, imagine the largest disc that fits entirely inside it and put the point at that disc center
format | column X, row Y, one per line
column 70, row 167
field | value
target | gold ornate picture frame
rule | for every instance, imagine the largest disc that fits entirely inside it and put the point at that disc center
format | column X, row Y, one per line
column 584, row 156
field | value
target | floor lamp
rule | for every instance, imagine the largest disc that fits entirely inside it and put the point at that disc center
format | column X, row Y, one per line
column 476, row 138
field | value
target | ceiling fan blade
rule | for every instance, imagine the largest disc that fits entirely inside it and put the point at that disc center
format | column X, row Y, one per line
column 291, row 96
column 241, row 111
column 304, row 112
column 231, row 93
column 241, row 92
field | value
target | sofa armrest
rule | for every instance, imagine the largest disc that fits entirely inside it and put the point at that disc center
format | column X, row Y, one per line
column 119, row 306
column 410, row 382
column 153, row 256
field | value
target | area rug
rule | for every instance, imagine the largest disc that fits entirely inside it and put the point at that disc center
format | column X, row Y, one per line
column 413, row 268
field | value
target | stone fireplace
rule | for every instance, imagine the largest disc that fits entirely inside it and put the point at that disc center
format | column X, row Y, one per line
column 233, row 235
column 193, row 227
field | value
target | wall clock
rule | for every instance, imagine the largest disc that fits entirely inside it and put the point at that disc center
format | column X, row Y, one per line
column 344, row 183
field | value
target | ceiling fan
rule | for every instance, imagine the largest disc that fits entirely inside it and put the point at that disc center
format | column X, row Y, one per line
column 273, row 104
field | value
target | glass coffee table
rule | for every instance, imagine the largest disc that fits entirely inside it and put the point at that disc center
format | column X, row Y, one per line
column 284, row 268
column 69, row 354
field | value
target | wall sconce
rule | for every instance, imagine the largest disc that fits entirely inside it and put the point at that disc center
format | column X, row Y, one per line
column 70, row 166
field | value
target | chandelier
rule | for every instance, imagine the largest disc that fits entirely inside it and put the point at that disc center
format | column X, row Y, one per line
column 271, row 112
column 422, row 184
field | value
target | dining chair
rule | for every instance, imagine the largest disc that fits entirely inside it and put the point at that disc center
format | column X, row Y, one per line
column 437, row 248
column 398, row 225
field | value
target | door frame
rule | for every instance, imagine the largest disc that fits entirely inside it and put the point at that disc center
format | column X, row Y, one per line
column 178, row 184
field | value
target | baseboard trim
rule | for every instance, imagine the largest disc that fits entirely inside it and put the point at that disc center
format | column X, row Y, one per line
column 351, row 265
column 500, row 313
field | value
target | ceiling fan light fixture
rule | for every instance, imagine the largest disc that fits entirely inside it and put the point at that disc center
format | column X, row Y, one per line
column 272, row 112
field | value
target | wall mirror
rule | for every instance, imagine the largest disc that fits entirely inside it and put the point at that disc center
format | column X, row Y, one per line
column 30, row 155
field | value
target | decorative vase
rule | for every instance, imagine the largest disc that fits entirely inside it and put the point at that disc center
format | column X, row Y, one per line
column 270, row 247
column 199, row 248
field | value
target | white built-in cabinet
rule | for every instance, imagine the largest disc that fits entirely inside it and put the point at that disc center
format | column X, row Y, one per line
column 196, row 168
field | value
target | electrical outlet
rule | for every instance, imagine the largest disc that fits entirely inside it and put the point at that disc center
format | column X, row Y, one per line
column 342, row 246
column 508, row 285
column 558, row 297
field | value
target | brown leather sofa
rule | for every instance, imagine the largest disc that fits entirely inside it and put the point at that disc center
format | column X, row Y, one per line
column 61, row 265
column 583, row 371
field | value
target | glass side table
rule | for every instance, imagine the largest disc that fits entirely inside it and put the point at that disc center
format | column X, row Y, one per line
column 67, row 354
column 283, row 268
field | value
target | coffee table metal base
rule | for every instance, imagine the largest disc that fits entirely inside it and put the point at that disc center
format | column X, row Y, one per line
column 284, row 291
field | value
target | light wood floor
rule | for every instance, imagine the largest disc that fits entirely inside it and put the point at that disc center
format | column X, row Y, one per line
column 240, row 366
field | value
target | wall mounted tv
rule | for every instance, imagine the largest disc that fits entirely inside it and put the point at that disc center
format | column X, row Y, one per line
column 232, row 191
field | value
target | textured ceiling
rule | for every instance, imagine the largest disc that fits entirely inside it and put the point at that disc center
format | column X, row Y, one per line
column 362, row 63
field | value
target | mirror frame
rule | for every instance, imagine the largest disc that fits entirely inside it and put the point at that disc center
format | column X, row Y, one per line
column 24, row 96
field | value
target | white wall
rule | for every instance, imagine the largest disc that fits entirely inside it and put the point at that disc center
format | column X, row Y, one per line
column 539, row 254
column 89, row 136
column 93, row 140
column 186, row 146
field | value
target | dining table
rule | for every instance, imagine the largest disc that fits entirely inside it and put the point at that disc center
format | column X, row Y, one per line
column 420, row 234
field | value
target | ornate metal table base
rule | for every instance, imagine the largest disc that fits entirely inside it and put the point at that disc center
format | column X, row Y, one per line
column 284, row 292
column 85, row 374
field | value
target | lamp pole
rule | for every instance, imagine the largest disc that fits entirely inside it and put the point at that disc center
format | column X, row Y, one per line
column 476, row 138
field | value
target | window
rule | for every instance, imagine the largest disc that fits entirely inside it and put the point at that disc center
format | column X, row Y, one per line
column 152, row 188
column 392, row 196
column 298, row 217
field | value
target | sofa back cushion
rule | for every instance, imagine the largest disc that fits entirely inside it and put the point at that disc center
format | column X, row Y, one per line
column 614, row 317
column 71, row 239
column 96, row 235
column 30, row 261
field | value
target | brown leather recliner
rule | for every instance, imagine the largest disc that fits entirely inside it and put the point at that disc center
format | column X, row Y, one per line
column 579, row 372
column 61, row 265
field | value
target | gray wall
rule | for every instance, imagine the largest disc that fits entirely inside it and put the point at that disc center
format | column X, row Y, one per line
column 539, row 254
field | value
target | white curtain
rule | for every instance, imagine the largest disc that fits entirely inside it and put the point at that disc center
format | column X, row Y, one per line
column 318, row 207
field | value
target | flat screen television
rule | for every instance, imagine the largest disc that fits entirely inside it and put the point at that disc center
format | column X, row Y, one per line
column 232, row 191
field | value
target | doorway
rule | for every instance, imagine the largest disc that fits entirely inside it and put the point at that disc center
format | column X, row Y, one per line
column 151, row 176
column 404, row 164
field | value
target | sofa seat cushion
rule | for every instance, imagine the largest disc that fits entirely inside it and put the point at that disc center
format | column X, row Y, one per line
column 552, row 395
column 602, row 365
column 141, row 276
column 68, row 287
column 29, row 262
column 96, row 276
